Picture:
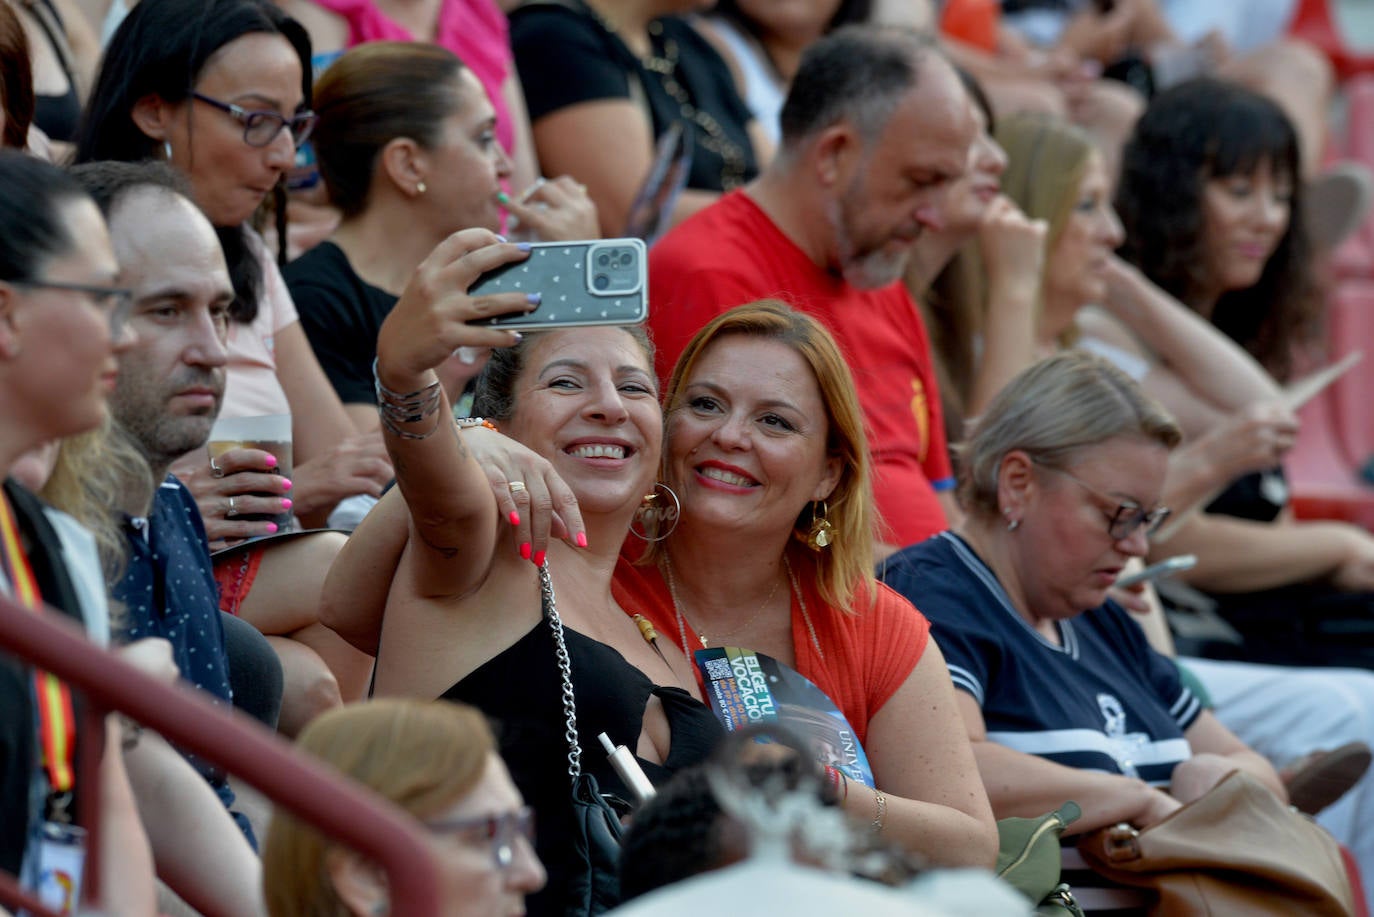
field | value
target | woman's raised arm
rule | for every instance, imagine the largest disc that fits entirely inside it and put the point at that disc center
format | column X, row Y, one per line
column 451, row 509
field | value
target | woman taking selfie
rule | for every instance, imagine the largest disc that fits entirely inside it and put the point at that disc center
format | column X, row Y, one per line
column 464, row 615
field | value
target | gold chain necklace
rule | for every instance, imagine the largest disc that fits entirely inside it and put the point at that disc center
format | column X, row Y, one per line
column 682, row 621
column 664, row 66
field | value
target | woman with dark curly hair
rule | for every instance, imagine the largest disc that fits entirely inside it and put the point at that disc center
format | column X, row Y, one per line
column 1210, row 197
column 1211, row 200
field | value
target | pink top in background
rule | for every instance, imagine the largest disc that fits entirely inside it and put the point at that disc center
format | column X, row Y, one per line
column 475, row 30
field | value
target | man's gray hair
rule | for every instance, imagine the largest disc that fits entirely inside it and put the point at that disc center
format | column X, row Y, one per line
column 858, row 73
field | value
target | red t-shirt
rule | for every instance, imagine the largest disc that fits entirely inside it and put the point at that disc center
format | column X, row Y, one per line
column 732, row 253
column 868, row 655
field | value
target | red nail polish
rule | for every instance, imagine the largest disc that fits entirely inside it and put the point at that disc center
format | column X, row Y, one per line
column 271, row 528
column 285, row 504
column 525, row 550
column 581, row 539
column 514, row 517
column 539, row 559
column 285, row 483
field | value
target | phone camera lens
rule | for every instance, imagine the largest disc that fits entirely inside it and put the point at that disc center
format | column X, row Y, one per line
column 625, row 259
column 603, row 259
column 601, row 281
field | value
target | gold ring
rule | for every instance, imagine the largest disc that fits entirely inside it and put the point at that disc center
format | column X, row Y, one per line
column 517, row 487
column 232, row 511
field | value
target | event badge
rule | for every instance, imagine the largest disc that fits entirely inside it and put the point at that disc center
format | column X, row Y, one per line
column 61, row 861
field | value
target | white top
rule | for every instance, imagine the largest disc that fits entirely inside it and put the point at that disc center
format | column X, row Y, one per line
column 763, row 91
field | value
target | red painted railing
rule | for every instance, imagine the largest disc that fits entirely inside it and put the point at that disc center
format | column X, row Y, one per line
column 347, row 812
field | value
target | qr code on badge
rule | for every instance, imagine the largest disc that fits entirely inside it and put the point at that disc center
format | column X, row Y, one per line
column 719, row 669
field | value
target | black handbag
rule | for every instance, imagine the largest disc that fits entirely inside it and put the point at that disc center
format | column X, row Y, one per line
column 594, row 882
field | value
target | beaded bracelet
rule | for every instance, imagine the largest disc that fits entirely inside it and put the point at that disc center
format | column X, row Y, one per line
column 467, row 423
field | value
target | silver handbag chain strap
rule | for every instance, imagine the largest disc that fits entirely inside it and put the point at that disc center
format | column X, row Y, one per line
column 550, row 609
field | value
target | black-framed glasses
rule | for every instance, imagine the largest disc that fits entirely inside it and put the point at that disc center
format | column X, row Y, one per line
column 261, row 126
column 1128, row 515
column 499, row 830
column 116, row 302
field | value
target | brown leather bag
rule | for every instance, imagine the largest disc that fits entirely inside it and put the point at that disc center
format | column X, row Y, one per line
column 1235, row 852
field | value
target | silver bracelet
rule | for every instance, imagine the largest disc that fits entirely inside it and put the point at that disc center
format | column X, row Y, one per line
column 396, row 408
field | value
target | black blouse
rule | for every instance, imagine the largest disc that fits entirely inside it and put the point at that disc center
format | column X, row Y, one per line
column 565, row 55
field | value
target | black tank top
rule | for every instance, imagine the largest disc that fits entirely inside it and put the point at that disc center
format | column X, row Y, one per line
column 522, row 691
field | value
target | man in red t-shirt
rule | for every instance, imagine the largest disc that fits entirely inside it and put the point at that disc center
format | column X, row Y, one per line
column 875, row 128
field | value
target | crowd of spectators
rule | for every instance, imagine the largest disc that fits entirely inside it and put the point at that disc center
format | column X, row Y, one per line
column 949, row 329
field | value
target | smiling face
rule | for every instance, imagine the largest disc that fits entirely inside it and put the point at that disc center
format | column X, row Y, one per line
column 172, row 379
column 1075, row 274
column 894, row 188
column 1244, row 219
column 748, row 439
column 258, row 71
column 463, row 171
column 586, row 400
column 1068, row 560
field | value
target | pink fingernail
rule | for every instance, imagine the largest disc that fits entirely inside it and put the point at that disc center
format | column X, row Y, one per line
column 539, row 559
column 271, row 461
column 514, row 517
column 581, row 539
column 285, row 504
column 271, row 528
column 285, row 483
column 525, row 550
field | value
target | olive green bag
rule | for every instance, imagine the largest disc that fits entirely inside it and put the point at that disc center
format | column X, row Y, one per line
column 1028, row 859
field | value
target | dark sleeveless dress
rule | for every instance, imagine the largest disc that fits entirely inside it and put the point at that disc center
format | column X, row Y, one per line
column 1308, row 624
column 522, row 691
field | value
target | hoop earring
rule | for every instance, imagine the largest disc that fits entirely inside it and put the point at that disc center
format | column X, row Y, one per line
column 821, row 535
column 657, row 515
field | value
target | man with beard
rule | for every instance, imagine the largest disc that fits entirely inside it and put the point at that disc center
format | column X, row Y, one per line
column 875, row 128
column 171, row 381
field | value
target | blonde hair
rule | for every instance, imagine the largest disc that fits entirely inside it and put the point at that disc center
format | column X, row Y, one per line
column 1065, row 403
column 845, row 569
column 422, row 755
column 91, row 479
column 1046, row 161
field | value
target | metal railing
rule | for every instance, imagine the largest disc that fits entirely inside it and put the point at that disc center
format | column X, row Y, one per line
column 351, row 814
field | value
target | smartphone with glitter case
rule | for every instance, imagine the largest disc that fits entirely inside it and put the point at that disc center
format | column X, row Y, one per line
column 602, row 282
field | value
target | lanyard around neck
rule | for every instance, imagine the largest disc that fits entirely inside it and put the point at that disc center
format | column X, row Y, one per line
column 56, row 721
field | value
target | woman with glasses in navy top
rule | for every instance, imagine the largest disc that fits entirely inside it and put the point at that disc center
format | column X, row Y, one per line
column 1061, row 694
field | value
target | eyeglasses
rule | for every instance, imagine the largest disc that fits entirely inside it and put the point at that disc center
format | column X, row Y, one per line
column 261, row 126
column 498, row 830
column 1128, row 515
column 116, row 302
